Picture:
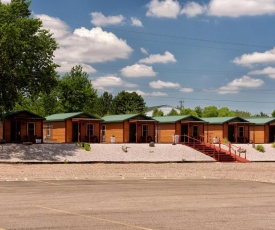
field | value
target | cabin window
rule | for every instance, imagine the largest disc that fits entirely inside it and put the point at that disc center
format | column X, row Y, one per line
column 145, row 130
column 195, row 131
column 90, row 130
column 240, row 131
column 103, row 133
column 31, row 128
column 48, row 128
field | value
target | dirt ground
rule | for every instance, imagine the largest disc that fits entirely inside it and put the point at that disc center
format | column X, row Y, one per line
column 260, row 171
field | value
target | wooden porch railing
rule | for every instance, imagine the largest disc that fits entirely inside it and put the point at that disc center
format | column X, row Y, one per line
column 232, row 149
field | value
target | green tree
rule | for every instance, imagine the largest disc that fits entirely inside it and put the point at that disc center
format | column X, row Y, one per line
column 43, row 104
column 225, row 112
column 273, row 113
column 210, row 111
column 261, row 115
column 128, row 103
column 199, row 111
column 173, row 112
column 240, row 113
column 157, row 113
column 76, row 92
column 105, row 102
column 188, row 111
column 26, row 58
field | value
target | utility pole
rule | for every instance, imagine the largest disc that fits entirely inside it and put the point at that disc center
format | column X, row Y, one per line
column 181, row 104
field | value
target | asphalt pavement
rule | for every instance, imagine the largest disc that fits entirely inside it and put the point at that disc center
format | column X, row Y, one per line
column 137, row 204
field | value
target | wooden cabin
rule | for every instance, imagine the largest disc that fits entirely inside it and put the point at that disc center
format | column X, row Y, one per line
column 262, row 129
column 183, row 128
column 22, row 126
column 234, row 129
column 128, row 128
column 1, row 131
column 72, row 127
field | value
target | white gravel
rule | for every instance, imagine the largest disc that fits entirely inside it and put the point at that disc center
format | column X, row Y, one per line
column 99, row 153
column 115, row 153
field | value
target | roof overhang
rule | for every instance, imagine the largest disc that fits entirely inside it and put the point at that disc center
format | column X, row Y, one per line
column 85, row 119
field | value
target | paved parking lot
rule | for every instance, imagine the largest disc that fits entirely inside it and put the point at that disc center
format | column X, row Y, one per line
column 137, row 204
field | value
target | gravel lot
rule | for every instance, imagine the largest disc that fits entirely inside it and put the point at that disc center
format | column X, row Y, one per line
column 202, row 166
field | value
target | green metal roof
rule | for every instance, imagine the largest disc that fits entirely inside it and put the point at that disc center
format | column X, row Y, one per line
column 65, row 116
column 261, row 120
column 174, row 119
column 123, row 117
column 222, row 120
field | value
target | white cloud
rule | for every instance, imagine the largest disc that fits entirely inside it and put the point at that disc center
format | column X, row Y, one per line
column 192, row 9
column 136, row 22
column 158, row 58
column 161, row 84
column 237, row 8
column 5, row 1
column 165, row 8
column 155, row 94
column 138, row 70
column 254, row 58
column 143, row 50
column 237, row 84
column 187, row 90
column 269, row 71
column 83, row 45
column 98, row 19
column 110, row 81
column 55, row 25
column 66, row 67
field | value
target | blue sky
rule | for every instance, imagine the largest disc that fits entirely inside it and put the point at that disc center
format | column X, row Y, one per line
column 207, row 52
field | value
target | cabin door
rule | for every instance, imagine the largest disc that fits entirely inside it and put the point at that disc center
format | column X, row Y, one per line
column 75, row 132
column 184, row 131
column 271, row 133
column 133, row 131
column 15, row 131
column 231, row 132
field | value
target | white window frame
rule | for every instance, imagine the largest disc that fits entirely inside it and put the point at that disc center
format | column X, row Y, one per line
column 193, row 131
column 240, row 132
column 103, row 131
column 88, row 129
column 28, row 130
column 144, row 130
column 48, row 130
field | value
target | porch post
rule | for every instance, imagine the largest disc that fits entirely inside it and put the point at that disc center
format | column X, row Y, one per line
column 136, row 131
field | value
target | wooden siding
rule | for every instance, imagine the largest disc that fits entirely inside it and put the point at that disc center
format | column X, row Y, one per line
column 257, row 134
column 212, row 131
column 62, row 131
column 57, row 131
column 1, row 130
column 22, row 132
column 221, row 131
column 165, row 132
column 115, row 129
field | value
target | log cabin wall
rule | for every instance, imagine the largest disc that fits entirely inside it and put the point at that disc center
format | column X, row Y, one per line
column 1, row 130
column 166, row 132
column 114, row 129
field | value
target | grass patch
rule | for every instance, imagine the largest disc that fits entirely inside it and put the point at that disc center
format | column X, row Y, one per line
column 273, row 145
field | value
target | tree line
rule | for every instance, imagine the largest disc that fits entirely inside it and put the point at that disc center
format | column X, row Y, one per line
column 29, row 80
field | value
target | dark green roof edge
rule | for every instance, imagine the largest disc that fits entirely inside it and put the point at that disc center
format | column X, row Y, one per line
column 222, row 120
column 123, row 117
column 66, row 116
column 174, row 119
column 12, row 113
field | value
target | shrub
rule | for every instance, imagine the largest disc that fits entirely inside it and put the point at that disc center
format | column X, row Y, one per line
column 273, row 145
column 225, row 141
column 260, row 148
column 87, row 147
